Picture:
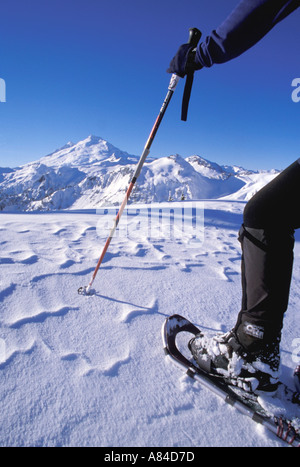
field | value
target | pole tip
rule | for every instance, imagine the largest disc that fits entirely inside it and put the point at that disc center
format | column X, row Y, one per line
column 86, row 290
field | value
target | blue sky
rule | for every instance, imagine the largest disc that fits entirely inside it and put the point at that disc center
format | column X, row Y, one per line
column 79, row 67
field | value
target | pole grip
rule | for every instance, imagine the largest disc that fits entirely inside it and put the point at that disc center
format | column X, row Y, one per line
column 194, row 37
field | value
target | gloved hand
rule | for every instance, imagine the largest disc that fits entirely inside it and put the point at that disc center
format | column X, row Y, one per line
column 185, row 61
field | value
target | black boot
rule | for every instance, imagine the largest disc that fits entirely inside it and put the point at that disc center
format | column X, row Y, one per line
column 225, row 356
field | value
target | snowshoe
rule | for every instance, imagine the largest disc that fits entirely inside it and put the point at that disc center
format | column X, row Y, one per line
column 278, row 413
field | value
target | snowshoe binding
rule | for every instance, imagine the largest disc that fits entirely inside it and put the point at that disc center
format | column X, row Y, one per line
column 223, row 355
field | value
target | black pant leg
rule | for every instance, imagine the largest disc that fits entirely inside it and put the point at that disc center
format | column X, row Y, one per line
column 267, row 242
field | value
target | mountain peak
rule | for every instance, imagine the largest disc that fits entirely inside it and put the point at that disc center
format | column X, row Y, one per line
column 92, row 150
column 92, row 139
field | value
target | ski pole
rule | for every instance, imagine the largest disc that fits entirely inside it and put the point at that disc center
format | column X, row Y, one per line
column 194, row 38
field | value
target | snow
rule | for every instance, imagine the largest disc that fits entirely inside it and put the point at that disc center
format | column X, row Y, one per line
column 90, row 371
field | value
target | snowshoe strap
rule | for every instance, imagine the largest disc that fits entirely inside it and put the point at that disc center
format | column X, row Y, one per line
column 297, row 378
column 205, row 363
column 245, row 233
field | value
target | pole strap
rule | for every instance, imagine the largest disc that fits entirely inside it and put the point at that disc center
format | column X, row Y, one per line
column 186, row 95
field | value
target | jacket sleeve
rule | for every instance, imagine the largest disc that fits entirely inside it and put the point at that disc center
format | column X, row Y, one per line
column 246, row 25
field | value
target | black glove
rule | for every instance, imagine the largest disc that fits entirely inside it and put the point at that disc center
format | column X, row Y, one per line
column 184, row 61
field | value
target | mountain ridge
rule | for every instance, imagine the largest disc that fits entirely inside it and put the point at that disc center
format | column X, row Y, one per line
column 94, row 173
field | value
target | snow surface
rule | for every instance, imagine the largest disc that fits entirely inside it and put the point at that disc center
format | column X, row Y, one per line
column 90, row 371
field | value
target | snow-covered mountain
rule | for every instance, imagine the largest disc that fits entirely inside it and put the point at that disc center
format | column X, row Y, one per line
column 94, row 173
column 4, row 170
